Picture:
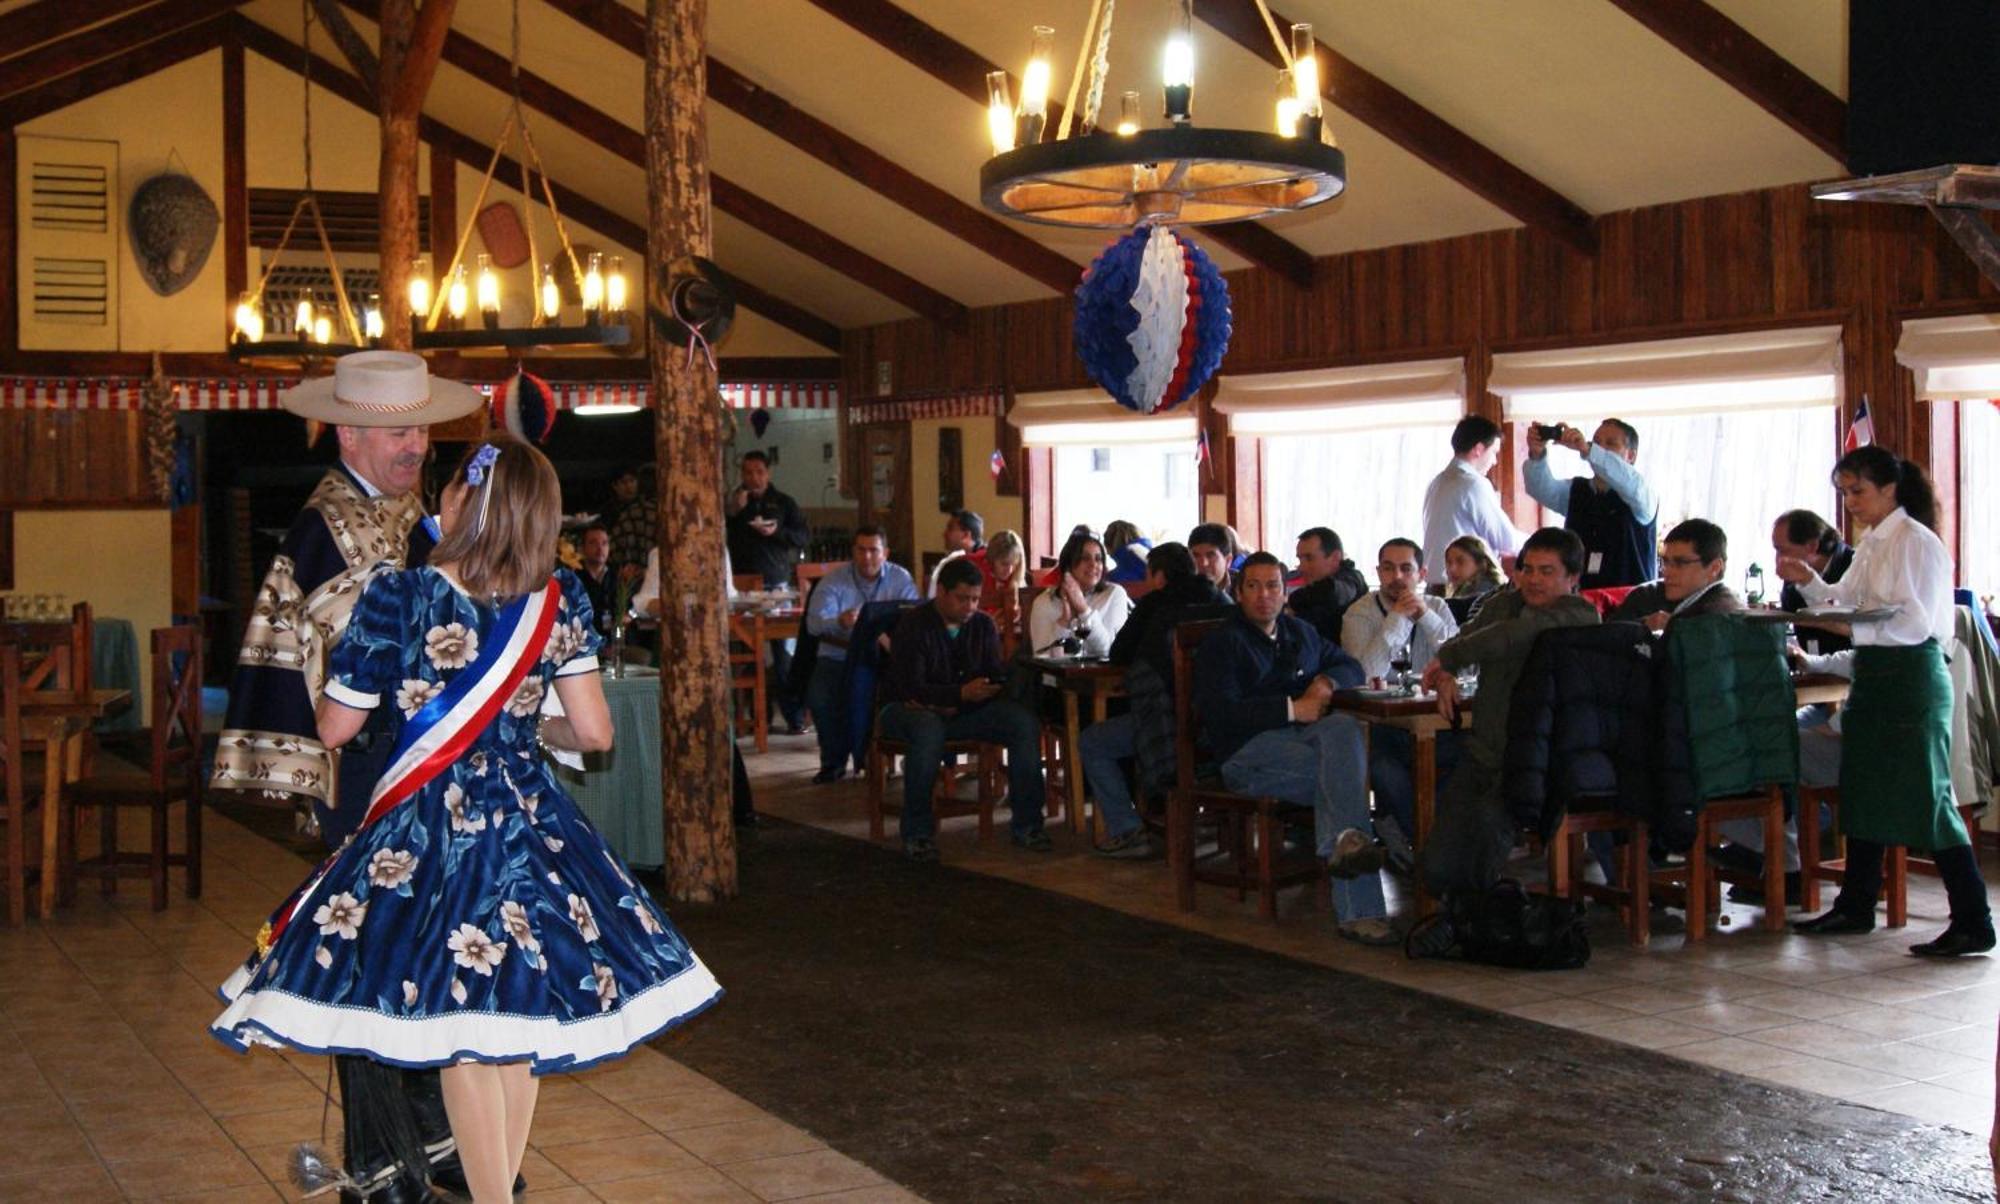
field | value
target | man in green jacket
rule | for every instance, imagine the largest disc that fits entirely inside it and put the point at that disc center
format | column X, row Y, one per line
column 1474, row 834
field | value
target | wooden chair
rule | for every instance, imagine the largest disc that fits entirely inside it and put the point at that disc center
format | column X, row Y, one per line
column 1697, row 885
column 55, row 655
column 1250, row 827
column 745, row 682
column 15, row 797
column 746, row 583
column 811, row 571
column 170, row 774
column 945, row 803
column 1568, row 854
column 1897, row 866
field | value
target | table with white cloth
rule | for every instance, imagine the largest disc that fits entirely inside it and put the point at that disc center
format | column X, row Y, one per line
column 619, row 790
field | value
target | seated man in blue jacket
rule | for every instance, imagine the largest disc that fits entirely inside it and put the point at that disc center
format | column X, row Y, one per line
column 944, row 682
column 836, row 606
column 1262, row 685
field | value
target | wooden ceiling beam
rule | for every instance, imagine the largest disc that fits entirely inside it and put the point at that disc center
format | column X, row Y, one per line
column 962, row 69
column 1732, row 54
column 468, row 149
column 491, row 67
column 353, row 47
column 79, row 50
column 1417, row 130
column 102, row 76
column 734, row 91
column 44, row 21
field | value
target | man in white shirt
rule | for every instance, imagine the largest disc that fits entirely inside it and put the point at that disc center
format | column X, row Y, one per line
column 1461, row 501
column 1398, row 622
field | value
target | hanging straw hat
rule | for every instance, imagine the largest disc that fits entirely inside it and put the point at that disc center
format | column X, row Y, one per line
column 381, row 388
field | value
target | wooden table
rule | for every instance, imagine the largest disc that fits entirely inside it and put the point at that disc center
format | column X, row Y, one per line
column 757, row 627
column 57, row 723
column 1098, row 680
column 1417, row 715
column 1815, row 689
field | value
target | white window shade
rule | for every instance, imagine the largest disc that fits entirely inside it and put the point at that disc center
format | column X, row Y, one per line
column 1954, row 359
column 1089, row 418
column 1797, row 368
column 1369, row 397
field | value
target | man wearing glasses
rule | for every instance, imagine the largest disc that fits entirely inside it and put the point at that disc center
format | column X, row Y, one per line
column 1691, row 569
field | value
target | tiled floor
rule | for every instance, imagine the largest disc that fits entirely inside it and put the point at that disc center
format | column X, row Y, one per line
column 1854, row 1018
column 111, row 1089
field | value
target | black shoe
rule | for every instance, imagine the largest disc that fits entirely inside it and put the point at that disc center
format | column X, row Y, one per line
column 826, row 777
column 445, row 1189
column 1958, row 941
column 1035, row 840
column 1136, row 845
column 1836, row 922
column 744, row 819
column 1736, row 858
column 922, row 850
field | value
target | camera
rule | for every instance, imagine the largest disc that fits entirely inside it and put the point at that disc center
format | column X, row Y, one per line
column 1551, row 432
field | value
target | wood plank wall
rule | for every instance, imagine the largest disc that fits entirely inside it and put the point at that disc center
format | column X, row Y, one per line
column 1715, row 264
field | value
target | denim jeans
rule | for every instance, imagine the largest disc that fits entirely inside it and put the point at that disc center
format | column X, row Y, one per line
column 828, row 703
column 1318, row 765
column 1468, row 848
column 1819, row 765
column 1100, row 749
column 1392, row 762
column 925, row 731
column 779, row 677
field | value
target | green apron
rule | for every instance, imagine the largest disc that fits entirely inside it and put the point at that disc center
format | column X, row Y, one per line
column 1895, row 750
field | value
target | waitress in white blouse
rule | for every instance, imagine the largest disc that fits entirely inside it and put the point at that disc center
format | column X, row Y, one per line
column 1895, row 759
column 1081, row 603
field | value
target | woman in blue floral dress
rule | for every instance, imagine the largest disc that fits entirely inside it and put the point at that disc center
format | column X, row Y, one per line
column 479, row 924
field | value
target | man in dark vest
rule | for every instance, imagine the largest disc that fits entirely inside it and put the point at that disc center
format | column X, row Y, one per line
column 1612, row 510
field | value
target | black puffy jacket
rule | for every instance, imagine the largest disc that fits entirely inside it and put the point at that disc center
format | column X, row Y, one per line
column 1584, row 725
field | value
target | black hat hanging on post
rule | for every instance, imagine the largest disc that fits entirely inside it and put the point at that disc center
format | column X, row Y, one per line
column 695, row 305
column 173, row 224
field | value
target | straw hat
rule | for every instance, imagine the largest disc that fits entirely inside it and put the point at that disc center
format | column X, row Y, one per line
column 381, row 388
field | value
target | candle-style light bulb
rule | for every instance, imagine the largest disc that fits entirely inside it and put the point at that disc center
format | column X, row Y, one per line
column 1128, row 114
column 302, row 318
column 999, row 112
column 593, row 289
column 1033, row 115
column 420, row 289
column 322, row 329
column 551, row 295
column 1177, row 70
column 455, row 296
column 249, row 318
column 489, row 293
column 371, row 318
column 1305, row 80
column 1287, row 106
column 614, row 285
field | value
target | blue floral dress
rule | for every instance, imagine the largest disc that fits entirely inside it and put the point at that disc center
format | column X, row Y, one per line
column 483, row 918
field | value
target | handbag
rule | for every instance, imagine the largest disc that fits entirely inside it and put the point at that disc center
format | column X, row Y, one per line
column 1504, row 925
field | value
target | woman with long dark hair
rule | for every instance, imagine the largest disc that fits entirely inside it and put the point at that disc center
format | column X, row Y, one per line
column 1081, row 603
column 1895, row 757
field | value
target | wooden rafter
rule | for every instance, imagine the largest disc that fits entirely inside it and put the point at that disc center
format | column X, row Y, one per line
column 156, row 55
column 845, row 154
column 79, row 50
column 32, row 25
column 420, row 60
column 1417, row 130
column 601, row 218
column 353, row 47
column 1726, row 49
column 491, row 67
column 962, row 69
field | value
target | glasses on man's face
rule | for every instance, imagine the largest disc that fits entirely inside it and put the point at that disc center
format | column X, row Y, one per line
column 1684, row 562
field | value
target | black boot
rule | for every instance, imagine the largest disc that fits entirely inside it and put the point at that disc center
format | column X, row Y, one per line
column 384, row 1144
column 1971, row 929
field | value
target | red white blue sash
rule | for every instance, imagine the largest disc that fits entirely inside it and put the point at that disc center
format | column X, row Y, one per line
column 443, row 728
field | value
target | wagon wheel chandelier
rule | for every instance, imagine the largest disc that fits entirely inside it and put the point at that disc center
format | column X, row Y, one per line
column 1124, row 176
column 438, row 313
column 315, row 334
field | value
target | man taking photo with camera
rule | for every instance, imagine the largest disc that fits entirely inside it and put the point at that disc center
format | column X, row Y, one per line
column 1612, row 510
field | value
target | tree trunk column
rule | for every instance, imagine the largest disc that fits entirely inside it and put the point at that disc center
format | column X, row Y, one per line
column 694, row 678
column 396, row 176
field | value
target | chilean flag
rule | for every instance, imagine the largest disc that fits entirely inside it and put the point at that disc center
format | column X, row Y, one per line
column 996, row 464
column 1861, row 432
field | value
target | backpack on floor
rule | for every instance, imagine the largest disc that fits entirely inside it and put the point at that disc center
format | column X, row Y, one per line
column 1505, row 925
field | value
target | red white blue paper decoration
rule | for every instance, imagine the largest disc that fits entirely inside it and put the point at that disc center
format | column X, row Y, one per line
column 526, row 407
column 1152, row 319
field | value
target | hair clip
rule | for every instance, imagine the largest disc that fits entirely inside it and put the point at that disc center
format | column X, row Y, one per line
column 482, row 460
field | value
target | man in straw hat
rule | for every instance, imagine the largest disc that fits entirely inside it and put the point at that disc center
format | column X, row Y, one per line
column 364, row 513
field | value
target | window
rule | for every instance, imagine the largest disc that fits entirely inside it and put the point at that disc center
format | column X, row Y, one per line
column 1367, row 485
column 1979, row 496
column 1737, row 469
column 1153, row 488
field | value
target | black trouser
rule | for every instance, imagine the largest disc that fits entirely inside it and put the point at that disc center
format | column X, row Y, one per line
column 1958, row 866
column 739, row 782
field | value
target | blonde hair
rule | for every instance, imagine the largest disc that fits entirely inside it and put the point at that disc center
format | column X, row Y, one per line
column 1003, row 545
column 504, row 543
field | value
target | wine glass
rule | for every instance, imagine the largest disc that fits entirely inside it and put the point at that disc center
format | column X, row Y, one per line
column 1400, row 664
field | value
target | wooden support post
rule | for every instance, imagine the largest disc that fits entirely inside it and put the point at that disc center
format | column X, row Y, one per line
column 694, row 697
column 412, row 39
